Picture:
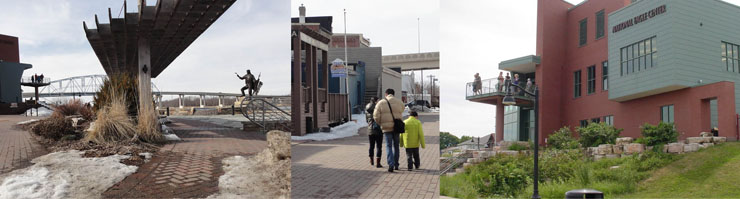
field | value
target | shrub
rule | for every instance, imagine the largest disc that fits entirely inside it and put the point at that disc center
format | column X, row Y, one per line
column 54, row 127
column 517, row 147
column 113, row 123
column 598, row 133
column 118, row 84
column 500, row 177
column 661, row 134
column 559, row 165
column 74, row 107
column 562, row 139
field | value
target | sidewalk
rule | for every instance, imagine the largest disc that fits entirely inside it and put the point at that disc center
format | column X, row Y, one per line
column 189, row 168
column 341, row 169
column 17, row 147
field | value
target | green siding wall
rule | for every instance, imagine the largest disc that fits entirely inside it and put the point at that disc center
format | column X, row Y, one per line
column 689, row 36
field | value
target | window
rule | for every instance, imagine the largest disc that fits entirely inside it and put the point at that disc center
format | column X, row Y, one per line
column 731, row 56
column 666, row 113
column 605, row 75
column 609, row 120
column 596, row 120
column 638, row 56
column 577, row 84
column 591, row 79
column 582, row 33
column 600, row 24
column 583, row 123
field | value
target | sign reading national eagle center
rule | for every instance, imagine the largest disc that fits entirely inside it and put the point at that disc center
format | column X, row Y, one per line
column 337, row 68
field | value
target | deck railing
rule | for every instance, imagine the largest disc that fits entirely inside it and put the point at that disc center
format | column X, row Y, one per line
column 337, row 107
column 492, row 87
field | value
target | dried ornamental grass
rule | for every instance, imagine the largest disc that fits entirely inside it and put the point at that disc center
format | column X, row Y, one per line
column 113, row 123
column 148, row 126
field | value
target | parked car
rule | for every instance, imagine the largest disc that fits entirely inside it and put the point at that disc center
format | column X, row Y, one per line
column 417, row 105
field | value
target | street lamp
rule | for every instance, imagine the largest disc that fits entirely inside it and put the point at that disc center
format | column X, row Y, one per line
column 509, row 100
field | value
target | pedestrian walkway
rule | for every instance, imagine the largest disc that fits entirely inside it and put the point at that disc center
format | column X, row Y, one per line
column 341, row 168
column 189, row 168
column 17, row 147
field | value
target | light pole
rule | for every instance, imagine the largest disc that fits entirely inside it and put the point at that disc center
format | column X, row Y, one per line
column 509, row 100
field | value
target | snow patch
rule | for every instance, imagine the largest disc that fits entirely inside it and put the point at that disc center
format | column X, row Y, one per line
column 65, row 174
column 147, row 156
column 171, row 137
column 27, row 121
column 344, row 130
column 265, row 175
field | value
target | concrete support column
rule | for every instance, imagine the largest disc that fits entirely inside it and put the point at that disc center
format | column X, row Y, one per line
column 202, row 103
column 144, row 74
column 180, row 100
column 220, row 101
column 499, row 122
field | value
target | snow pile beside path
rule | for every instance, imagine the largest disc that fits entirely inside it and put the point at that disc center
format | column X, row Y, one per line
column 344, row 130
column 171, row 137
column 265, row 175
column 65, row 174
column 27, row 121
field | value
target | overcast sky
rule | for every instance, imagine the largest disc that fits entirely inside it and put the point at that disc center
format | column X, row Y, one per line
column 476, row 35
column 250, row 35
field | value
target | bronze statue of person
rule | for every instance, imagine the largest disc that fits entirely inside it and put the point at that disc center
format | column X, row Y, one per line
column 248, row 81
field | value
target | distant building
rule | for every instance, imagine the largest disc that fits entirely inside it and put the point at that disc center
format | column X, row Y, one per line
column 477, row 143
column 11, row 70
column 367, row 61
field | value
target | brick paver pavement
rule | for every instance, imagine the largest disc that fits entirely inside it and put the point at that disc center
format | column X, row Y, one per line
column 17, row 147
column 340, row 169
column 189, row 168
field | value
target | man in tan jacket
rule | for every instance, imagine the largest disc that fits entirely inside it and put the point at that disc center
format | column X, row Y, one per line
column 384, row 115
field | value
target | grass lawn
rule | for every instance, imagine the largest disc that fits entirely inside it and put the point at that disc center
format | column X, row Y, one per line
column 713, row 172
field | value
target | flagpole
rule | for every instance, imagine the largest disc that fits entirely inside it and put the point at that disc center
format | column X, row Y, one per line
column 346, row 69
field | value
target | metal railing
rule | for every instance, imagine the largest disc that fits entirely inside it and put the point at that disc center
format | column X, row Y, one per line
column 266, row 115
column 454, row 162
column 31, row 79
column 492, row 86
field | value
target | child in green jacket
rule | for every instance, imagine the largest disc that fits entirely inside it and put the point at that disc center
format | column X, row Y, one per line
column 411, row 139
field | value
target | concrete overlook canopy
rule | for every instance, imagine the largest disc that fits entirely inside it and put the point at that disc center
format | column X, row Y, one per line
column 170, row 27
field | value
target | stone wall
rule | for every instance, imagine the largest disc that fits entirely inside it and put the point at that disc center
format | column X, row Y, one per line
column 625, row 147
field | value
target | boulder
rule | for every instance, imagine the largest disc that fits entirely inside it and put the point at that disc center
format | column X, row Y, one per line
column 675, row 148
column 691, row 147
column 624, row 140
column 705, row 134
column 598, row 157
column 719, row 139
column 707, row 145
column 699, row 140
column 634, row 148
column 508, row 152
column 612, row 156
column 649, row 148
column 592, row 151
column 706, row 139
column 605, row 149
column 617, row 149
